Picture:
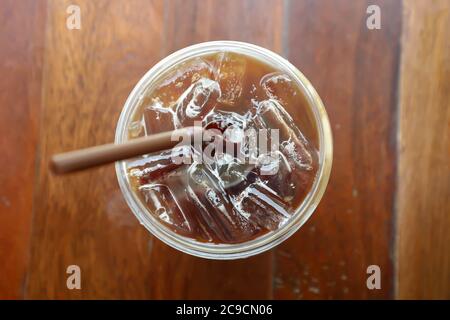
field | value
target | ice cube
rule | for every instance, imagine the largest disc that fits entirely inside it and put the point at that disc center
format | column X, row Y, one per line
column 276, row 172
column 262, row 206
column 154, row 167
column 271, row 114
column 197, row 101
column 214, row 206
column 162, row 203
column 297, row 153
column 221, row 120
column 231, row 69
column 230, row 170
column 177, row 207
column 233, row 127
column 270, row 163
column 159, row 118
column 181, row 78
column 279, row 86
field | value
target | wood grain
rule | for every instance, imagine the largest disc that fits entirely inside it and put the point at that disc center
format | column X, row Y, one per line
column 255, row 21
column 82, row 219
column 64, row 89
column 355, row 72
column 21, row 44
column 423, row 240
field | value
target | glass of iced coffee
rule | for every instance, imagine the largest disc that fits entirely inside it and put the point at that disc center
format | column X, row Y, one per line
column 258, row 169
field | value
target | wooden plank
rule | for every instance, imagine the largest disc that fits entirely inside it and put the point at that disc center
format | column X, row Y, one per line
column 355, row 72
column 179, row 275
column 255, row 21
column 21, row 42
column 424, row 178
column 82, row 219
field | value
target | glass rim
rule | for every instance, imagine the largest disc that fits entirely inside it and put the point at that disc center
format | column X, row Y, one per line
column 302, row 212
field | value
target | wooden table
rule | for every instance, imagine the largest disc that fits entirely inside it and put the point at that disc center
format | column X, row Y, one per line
column 387, row 95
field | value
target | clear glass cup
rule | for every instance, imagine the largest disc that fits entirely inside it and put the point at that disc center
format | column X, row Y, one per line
column 268, row 240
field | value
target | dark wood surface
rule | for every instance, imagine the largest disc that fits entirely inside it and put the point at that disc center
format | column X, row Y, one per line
column 424, row 152
column 21, row 44
column 65, row 90
column 355, row 72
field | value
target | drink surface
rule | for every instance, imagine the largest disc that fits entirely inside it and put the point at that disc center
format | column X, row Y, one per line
column 235, row 196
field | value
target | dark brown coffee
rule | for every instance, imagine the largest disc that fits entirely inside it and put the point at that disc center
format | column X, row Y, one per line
column 230, row 198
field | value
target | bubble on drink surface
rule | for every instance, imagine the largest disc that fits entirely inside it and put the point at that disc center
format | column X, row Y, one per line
column 231, row 68
column 197, row 101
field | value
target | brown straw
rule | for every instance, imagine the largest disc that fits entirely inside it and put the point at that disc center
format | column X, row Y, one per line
column 98, row 155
